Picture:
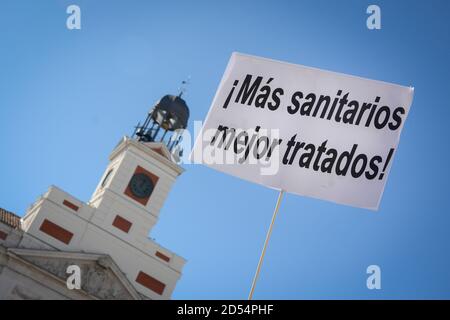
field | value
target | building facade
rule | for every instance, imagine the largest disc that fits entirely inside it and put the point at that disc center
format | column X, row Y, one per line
column 106, row 237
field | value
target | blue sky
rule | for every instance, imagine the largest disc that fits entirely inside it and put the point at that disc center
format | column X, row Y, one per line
column 67, row 97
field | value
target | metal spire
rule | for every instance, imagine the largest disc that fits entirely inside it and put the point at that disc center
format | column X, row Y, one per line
column 184, row 85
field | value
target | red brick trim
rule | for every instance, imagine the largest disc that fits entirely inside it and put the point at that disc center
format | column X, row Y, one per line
column 150, row 283
column 3, row 235
column 122, row 224
column 70, row 205
column 128, row 192
column 56, row 231
column 162, row 256
column 159, row 151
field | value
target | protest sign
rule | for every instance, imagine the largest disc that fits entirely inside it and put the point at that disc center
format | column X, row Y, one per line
column 304, row 130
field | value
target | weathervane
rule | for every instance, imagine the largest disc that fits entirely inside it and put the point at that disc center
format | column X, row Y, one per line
column 184, row 85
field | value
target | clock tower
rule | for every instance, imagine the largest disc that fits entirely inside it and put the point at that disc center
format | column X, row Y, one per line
column 142, row 169
column 124, row 207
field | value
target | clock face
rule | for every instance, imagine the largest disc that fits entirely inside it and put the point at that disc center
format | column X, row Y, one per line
column 141, row 185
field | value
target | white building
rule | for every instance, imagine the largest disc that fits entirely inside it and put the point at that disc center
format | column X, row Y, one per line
column 106, row 237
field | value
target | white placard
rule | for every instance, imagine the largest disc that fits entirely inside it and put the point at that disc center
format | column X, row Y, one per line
column 304, row 130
